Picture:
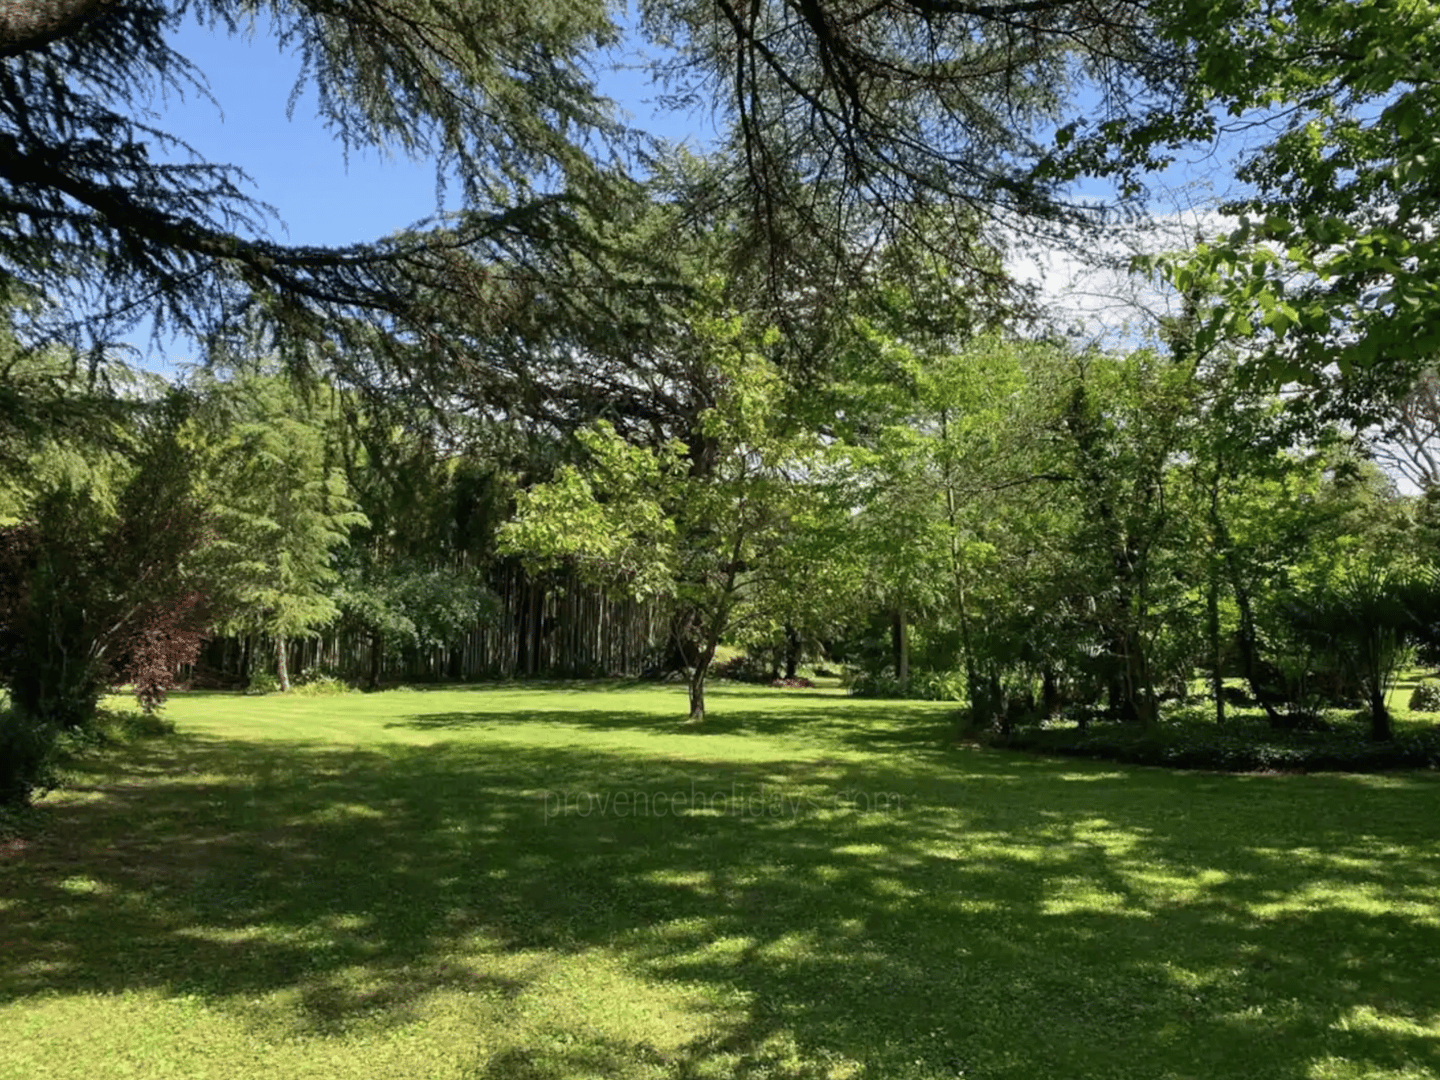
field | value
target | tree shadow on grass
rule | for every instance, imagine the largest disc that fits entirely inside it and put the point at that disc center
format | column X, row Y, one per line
column 1002, row 917
column 833, row 722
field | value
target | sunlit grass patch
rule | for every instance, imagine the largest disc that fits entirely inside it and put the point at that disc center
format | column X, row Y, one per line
column 388, row 885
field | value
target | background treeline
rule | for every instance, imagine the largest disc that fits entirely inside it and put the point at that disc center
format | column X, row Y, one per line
column 935, row 504
column 253, row 530
column 622, row 404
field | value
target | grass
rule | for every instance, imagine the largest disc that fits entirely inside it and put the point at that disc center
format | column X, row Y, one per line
column 447, row 884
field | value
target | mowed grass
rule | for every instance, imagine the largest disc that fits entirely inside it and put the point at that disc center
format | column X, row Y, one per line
column 487, row 883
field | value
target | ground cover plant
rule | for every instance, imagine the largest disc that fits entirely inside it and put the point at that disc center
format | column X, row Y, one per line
column 485, row 883
column 1187, row 736
column 1190, row 742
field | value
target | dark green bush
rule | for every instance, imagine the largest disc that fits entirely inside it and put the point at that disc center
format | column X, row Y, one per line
column 262, row 682
column 869, row 684
column 744, row 668
column 321, row 686
column 924, row 686
column 27, row 757
column 1238, row 749
column 938, row 686
column 1425, row 697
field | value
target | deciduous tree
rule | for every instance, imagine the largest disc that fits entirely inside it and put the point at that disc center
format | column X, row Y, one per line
column 705, row 520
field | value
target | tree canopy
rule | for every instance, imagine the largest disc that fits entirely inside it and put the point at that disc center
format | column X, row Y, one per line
column 107, row 219
column 633, row 404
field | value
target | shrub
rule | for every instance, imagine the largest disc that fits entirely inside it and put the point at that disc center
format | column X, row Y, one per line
column 746, row 669
column 869, row 684
column 167, row 636
column 263, row 682
column 321, row 686
column 1234, row 748
column 98, row 592
column 28, row 753
column 938, row 686
column 1425, row 697
column 924, row 686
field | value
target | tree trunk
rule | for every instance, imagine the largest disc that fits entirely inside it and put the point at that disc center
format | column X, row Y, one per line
column 999, row 707
column 697, row 684
column 900, row 640
column 282, row 663
column 1381, row 727
column 1120, row 697
column 973, row 689
column 1212, row 601
column 522, row 631
column 26, row 25
column 792, row 651
column 1248, row 650
column 1049, row 692
column 977, row 693
column 1138, row 682
column 377, row 658
column 1212, row 632
column 537, row 631
column 683, row 628
column 1248, row 638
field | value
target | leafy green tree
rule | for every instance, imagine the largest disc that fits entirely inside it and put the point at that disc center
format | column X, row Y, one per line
column 413, row 608
column 415, row 576
column 807, row 595
column 850, row 122
column 926, row 468
column 1120, row 422
column 48, row 393
column 105, row 211
column 704, row 522
column 1371, row 614
column 100, row 577
column 282, row 511
column 1405, row 440
column 1333, row 263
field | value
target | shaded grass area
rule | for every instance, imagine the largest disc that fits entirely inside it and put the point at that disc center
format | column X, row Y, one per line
column 1188, row 736
column 1190, row 742
column 488, row 884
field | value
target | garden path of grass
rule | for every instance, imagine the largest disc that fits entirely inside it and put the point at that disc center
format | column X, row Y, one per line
column 425, row 885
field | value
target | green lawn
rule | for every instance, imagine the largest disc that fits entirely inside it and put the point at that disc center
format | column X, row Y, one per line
column 485, row 883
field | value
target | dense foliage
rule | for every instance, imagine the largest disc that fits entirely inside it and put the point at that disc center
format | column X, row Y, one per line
column 786, row 396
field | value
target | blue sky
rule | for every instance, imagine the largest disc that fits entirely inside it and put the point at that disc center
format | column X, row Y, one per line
column 299, row 167
column 297, row 164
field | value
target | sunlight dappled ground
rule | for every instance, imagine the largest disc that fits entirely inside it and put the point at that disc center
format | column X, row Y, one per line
column 537, row 884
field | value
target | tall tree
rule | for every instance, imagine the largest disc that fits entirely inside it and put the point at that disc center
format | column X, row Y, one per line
column 114, row 219
column 415, row 575
column 925, row 469
column 101, row 575
column 705, row 520
column 1333, row 262
column 1406, row 440
column 851, row 121
column 282, row 509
